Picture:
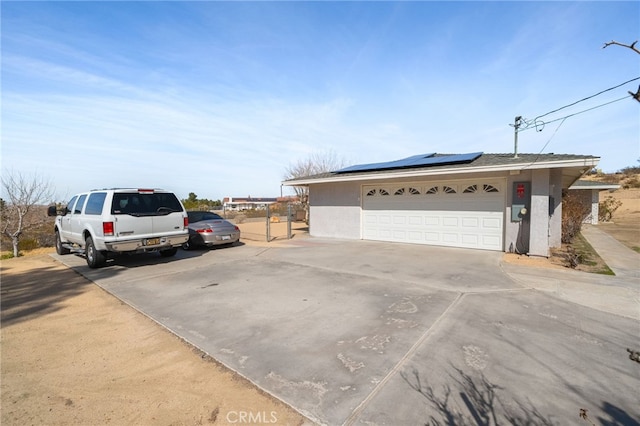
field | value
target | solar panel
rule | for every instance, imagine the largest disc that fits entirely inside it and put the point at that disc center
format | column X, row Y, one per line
column 421, row 160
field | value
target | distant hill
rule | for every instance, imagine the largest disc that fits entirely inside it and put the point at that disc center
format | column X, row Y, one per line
column 627, row 178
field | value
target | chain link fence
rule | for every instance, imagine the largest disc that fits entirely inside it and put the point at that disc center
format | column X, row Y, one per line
column 276, row 222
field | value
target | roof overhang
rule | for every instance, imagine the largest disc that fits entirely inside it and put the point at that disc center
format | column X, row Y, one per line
column 572, row 170
column 599, row 186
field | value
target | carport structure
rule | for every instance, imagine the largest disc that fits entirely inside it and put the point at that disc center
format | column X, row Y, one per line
column 501, row 202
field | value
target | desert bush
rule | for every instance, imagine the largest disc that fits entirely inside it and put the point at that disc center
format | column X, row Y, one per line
column 607, row 208
column 614, row 178
column 38, row 236
column 631, row 182
column 631, row 170
column 28, row 244
column 572, row 258
column 574, row 211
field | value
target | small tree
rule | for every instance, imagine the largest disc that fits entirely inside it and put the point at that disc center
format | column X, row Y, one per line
column 24, row 193
column 316, row 163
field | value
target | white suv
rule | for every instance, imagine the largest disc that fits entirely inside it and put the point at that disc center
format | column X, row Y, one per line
column 106, row 221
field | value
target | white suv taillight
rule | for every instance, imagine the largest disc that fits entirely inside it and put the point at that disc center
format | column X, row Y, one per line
column 107, row 229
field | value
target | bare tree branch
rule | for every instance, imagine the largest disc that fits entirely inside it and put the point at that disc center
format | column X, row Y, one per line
column 631, row 46
column 24, row 193
column 316, row 163
column 636, row 95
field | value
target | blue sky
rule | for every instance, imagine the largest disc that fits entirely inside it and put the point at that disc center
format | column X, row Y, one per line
column 218, row 98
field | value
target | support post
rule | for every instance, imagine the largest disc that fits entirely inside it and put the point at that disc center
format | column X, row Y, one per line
column 289, row 213
column 268, row 225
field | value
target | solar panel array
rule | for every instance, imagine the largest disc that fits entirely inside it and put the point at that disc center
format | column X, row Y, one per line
column 422, row 160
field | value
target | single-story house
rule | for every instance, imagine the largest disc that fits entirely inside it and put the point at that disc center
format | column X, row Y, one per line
column 502, row 202
column 589, row 192
column 247, row 203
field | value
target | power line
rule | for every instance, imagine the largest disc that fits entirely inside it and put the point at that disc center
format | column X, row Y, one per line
column 587, row 98
column 548, row 141
column 544, row 123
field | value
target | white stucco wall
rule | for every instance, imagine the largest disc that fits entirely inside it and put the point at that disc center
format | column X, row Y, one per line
column 539, row 231
column 555, row 221
column 334, row 210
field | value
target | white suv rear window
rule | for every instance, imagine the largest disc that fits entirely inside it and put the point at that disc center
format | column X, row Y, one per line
column 145, row 204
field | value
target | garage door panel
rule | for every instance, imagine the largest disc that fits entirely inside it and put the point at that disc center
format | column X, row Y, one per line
column 470, row 222
column 432, row 221
column 491, row 223
column 415, row 220
column 399, row 235
column 450, row 238
column 399, row 220
column 415, row 236
column 432, row 237
column 491, row 240
column 470, row 240
column 384, row 219
column 449, row 221
column 473, row 220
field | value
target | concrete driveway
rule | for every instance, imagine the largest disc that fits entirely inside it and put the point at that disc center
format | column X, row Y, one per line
column 356, row 332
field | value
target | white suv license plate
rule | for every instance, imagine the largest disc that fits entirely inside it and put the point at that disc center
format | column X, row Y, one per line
column 151, row 241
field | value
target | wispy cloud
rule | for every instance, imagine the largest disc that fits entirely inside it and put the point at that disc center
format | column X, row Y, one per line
column 217, row 98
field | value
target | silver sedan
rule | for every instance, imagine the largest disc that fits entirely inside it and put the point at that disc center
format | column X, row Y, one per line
column 210, row 229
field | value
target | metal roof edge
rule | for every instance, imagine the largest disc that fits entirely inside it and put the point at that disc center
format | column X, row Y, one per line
column 587, row 162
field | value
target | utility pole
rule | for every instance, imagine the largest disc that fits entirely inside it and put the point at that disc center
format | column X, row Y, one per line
column 516, row 126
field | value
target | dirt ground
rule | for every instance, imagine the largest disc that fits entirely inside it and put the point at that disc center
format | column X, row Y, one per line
column 72, row 354
column 625, row 226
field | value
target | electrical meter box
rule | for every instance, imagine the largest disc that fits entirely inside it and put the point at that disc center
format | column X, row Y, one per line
column 520, row 201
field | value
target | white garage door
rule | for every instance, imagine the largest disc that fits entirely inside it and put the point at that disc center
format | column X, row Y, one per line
column 457, row 214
